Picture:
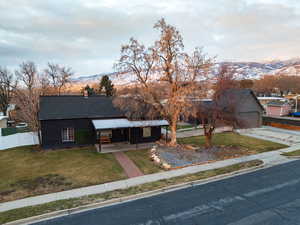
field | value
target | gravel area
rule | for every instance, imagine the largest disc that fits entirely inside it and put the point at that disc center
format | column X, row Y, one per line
column 178, row 157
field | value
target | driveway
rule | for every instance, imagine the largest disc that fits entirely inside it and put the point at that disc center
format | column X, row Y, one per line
column 195, row 132
column 278, row 135
column 269, row 196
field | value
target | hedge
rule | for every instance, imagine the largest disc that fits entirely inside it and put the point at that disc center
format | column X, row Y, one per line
column 13, row 130
column 82, row 136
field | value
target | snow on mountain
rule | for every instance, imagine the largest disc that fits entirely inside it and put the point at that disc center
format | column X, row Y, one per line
column 246, row 70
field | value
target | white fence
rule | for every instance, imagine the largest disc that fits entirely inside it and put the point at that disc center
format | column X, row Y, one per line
column 19, row 139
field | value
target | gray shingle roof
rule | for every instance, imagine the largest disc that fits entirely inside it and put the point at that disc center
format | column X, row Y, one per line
column 239, row 95
column 75, row 107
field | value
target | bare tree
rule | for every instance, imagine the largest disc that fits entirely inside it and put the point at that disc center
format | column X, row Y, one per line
column 221, row 110
column 278, row 83
column 7, row 86
column 266, row 85
column 164, row 65
column 27, row 74
column 58, row 76
column 27, row 95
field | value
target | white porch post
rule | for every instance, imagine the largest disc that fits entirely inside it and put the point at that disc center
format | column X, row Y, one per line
column 99, row 140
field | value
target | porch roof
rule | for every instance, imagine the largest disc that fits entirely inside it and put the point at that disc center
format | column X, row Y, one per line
column 124, row 123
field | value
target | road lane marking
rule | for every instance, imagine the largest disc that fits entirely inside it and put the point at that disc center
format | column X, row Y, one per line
column 219, row 205
column 272, row 188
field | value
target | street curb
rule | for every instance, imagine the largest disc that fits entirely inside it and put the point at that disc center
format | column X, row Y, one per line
column 147, row 194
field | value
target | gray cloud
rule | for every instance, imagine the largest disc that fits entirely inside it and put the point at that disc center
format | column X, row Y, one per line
column 87, row 35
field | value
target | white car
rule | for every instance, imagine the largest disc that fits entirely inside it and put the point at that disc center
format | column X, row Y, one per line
column 21, row 125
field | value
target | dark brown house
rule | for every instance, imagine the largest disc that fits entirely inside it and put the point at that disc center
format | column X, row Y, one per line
column 68, row 121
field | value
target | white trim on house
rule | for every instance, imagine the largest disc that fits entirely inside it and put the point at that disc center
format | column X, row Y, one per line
column 124, row 123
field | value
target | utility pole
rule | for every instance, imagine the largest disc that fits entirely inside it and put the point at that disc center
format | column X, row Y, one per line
column 296, row 107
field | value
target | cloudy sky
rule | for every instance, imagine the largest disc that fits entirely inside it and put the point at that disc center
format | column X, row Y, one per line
column 87, row 34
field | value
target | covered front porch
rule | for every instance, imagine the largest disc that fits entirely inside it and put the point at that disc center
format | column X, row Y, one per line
column 123, row 134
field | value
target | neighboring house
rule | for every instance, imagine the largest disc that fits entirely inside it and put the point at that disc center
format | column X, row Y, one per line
column 68, row 121
column 247, row 109
column 3, row 121
column 265, row 100
column 278, row 108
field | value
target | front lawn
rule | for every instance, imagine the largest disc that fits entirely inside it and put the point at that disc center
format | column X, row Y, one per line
column 141, row 158
column 24, row 171
column 30, row 211
column 234, row 140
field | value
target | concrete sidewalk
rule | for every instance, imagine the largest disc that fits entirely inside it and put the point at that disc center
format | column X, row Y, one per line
column 269, row 158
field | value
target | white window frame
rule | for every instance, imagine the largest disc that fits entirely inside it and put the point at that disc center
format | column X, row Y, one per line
column 146, row 132
column 70, row 134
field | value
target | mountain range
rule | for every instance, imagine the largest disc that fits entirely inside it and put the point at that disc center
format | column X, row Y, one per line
column 247, row 70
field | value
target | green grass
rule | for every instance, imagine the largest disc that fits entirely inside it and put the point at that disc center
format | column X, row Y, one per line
column 293, row 153
column 249, row 144
column 142, row 159
column 25, row 171
column 30, row 211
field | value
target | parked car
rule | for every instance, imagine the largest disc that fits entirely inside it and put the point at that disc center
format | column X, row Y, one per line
column 296, row 114
column 21, row 125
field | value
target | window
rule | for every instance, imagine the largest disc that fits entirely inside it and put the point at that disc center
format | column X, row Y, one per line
column 146, row 131
column 106, row 133
column 68, row 134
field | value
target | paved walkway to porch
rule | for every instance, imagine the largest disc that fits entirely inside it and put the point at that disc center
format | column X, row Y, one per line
column 130, row 168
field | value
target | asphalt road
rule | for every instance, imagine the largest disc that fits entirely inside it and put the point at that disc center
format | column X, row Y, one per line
column 265, row 197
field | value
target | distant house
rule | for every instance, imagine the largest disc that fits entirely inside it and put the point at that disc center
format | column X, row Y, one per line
column 265, row 100
column 68, row 121
column 278, row 108
column 247, row 109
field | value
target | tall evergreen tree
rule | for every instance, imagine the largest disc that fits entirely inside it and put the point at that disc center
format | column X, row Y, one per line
column 90, row 91
column 107, row 85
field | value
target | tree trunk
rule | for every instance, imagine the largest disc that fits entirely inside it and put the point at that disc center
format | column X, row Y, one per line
column 208, row 132
column 208, row 140
column 173, row 141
